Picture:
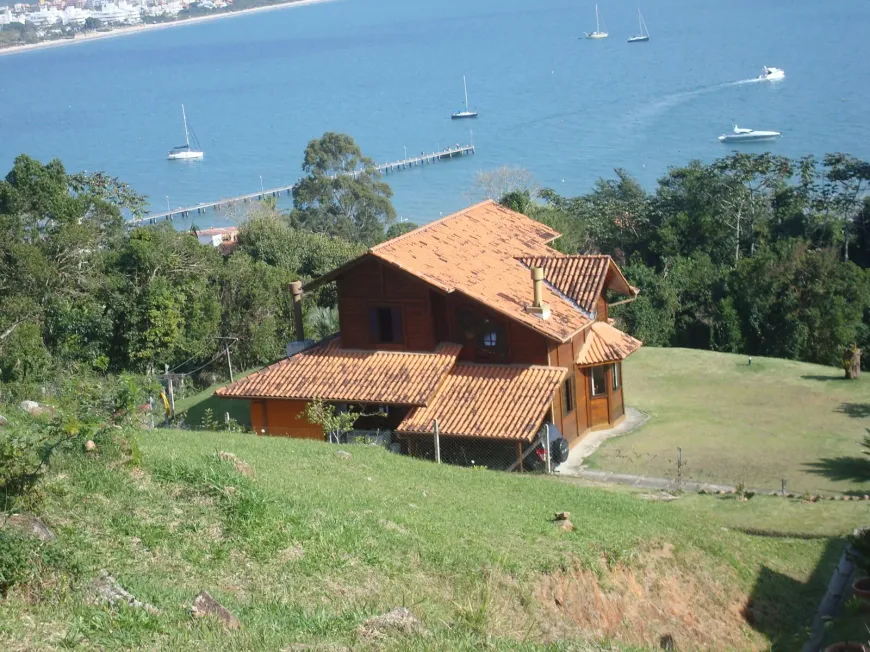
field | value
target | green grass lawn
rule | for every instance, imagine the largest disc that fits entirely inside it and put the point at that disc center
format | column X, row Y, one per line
column 315, row 543
column 738, row 423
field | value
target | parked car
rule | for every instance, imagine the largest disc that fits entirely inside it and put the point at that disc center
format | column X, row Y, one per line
column 559, row 449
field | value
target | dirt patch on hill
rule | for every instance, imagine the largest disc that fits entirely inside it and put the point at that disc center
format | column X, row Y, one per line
column 654, row 604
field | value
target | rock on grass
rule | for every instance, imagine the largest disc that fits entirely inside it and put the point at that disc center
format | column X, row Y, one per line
column 107, row 589
column 205, row 605
column 241, row 466
column 30, row 525
column 398, row 621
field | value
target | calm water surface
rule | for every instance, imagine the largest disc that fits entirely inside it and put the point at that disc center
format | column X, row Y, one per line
column 389, row 72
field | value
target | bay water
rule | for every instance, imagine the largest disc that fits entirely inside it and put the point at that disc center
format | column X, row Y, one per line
column 258, row 87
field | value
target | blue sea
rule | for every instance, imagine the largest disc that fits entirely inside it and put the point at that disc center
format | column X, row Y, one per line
column 258, row 87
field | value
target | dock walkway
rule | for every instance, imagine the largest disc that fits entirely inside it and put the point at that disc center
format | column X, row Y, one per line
column 384, row 168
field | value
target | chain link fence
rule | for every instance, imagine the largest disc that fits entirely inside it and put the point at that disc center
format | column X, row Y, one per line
column 494, row 454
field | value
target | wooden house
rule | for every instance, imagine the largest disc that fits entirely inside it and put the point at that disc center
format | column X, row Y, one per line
column 473, row 320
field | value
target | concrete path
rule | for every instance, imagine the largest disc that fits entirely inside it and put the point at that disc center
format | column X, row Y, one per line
column 589, row 444
column 648, row 482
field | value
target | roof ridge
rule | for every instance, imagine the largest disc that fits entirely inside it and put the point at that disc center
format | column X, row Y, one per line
column 428, row 225
column 511, row 365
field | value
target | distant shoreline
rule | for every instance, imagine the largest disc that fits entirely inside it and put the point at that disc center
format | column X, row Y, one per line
column 138, row 29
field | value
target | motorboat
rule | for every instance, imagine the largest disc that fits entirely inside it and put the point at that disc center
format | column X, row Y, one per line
column 599, row 33
column 643, row 32
column 740, row 135
column 771, row 74
column 186, row 151
column 466, row 113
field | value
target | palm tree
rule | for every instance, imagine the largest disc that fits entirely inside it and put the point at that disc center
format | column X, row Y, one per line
column 321, row 322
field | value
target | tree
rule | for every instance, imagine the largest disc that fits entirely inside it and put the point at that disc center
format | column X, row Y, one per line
column 495, row 184
column 92, row 23
column 335, row 423
column 56, row 232
column 342, row 194
column 321, row 323
column 848, row 180
column 400, row 228
column 747, row 181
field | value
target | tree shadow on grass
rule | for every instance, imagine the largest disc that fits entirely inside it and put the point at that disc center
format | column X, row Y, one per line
column 844, row 469
column 855, row 410
column 837, row 379
column 782, row 608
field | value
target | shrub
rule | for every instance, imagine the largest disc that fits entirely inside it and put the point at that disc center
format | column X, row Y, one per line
column 17, row 564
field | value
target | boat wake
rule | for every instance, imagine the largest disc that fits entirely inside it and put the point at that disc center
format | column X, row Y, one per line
column 657, row 107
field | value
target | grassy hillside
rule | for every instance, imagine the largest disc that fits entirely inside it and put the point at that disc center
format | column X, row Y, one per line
column 738, row 423
column 315, row 543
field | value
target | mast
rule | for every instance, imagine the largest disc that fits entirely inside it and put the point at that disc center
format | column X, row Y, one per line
column 465, row 86
column 597, row 26
column 186, row 137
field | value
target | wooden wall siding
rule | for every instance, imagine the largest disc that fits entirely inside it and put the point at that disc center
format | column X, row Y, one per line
column 280, row 418
column 600, row 412
column 258, row 416
column 440, row 320
column 526, row 346
column 617, row 407
column 372, row 284
column 564, row 355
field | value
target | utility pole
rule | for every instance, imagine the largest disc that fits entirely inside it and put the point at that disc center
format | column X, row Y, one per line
column 229, row 362
column 262, row 192
column 227, row 342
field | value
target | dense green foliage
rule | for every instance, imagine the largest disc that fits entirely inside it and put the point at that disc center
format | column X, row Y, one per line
column 79, row 291
column 755, row 254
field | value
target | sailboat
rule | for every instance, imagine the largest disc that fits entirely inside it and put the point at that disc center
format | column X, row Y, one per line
column 184, row 152
column 457, row 115
column 644, row 32
column 598, row 33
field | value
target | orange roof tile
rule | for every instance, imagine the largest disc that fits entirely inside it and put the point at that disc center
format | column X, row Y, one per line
column 491, row 401
column 331, row 373
column 475, row 252
column 581, row 278
column 604, row 344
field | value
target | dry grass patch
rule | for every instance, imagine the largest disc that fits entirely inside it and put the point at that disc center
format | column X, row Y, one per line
column 646, row 605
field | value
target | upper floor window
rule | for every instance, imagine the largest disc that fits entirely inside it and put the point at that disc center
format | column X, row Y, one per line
column 598, row 379
column 615, row 371
column 385, row 325
column 486, row 336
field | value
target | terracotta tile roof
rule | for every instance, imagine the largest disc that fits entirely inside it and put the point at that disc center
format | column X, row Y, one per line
column 604, row 344
column 492, row 401
column 331, row 373
column 581, row 278
column 475, row 252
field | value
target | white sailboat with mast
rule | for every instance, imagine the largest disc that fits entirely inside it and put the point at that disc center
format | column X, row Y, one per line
column 457, row 115
column 598, row 33
column 186, row 151
column 644, row 32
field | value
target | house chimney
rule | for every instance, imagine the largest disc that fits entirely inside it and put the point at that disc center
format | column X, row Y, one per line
column 538, row 307
column 296, row 291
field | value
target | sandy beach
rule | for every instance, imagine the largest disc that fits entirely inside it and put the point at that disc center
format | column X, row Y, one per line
column 138, row 29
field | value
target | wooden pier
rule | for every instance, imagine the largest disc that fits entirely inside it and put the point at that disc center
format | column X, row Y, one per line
column 384, row 168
